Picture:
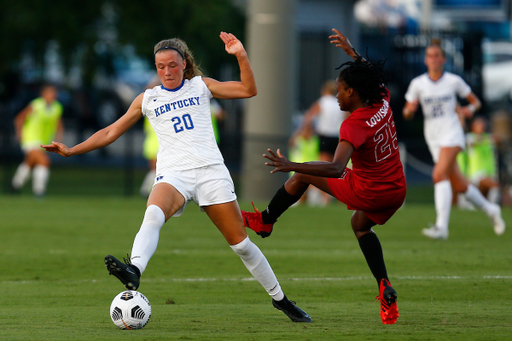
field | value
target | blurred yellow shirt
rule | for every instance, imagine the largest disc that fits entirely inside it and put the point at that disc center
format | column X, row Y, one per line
column 41, row 124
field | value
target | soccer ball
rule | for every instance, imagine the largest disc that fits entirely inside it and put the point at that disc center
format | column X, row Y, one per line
column 130, row 310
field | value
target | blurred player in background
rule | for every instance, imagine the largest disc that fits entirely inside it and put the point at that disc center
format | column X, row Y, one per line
column 478, row 161
column 326, row 118
column 189, row 166
column 39, row 123
column 217, row 114
column 305, row 146
column 375, row 188
column 149, row 148
column 437, row 91
column 149, row 151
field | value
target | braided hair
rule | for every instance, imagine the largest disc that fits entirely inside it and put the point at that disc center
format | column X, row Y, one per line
column 367, row 78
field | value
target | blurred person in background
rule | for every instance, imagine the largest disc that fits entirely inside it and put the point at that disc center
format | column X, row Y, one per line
column 304, row 146
column 217, row 114
column 39, row 123
column 189, row 166
column 326, row 118
column 149, row 148
column 478, row 161
column 149, row 151
column 437, row 91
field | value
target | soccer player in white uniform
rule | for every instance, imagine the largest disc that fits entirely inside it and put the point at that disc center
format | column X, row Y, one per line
column 437, row 92
column 190, row 166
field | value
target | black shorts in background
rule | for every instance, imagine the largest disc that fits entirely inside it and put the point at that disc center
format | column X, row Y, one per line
column 328, row 144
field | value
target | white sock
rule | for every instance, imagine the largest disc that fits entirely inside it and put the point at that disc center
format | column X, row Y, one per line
column 474, row 195
column 147, row 183
column 40, row 177
column 443, row 202
column 21, row 176
column 494, row 195
column 259, row 267
column 146, row 240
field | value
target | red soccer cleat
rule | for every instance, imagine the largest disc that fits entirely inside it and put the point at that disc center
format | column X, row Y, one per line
column 388, row 307
column 254, row 221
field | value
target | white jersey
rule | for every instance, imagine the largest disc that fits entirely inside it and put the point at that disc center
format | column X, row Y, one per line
column 330, row 117
column 438, row 101
column 182, row 122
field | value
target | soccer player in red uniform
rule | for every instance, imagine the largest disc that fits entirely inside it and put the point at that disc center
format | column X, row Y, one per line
column 374, row 188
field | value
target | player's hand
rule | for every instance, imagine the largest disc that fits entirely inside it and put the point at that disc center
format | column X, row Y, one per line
column 57, row 147
column 409, row 109
column 467, row 111
column 279, row 161
column 233, row 45
column 341, row 41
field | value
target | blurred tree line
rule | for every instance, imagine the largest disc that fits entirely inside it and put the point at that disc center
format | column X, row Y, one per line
column 98, row 28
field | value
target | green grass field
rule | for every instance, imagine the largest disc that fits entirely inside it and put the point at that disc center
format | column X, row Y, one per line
column 55, row 286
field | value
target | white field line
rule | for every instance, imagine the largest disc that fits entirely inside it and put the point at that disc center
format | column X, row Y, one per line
column 250, row 279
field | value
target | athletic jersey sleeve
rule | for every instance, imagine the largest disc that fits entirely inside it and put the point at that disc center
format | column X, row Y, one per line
column 145, row 99
column 199, row 80
column 462, row 88
column 412, row 93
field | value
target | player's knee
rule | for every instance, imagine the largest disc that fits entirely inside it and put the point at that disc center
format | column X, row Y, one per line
column 438, row 176
column 243, row 248
column 154, row 216
column 297, row 183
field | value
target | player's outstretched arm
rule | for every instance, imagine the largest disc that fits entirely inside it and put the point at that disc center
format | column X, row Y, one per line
column 247, row 86
column 104, row 136
column 341, row 41
column 333, row 169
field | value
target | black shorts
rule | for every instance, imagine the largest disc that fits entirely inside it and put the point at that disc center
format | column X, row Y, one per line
column 328, row 144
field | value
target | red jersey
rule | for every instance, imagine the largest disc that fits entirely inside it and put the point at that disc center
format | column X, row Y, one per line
column 376, row 161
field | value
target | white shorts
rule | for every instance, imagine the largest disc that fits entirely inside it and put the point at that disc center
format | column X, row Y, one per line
column 31, row 145
column 454, row 139
column 210, row 185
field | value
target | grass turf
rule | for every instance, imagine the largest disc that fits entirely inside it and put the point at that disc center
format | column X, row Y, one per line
column 55, row 286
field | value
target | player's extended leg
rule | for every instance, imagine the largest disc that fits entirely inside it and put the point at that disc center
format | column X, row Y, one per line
column 490, row 189
column 163, row 202
column 228, row 220
column 474, row 195
column 442, row 192
column 263, row 222
column 372, row 251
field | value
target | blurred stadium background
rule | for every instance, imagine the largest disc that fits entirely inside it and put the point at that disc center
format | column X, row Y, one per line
column 100, row 54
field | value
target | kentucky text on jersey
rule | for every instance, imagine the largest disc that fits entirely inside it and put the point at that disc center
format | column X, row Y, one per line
column 380, row 115
column 176, row 105
column 429, row 100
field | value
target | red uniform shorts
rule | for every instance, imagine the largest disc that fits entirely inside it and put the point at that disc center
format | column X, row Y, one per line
column 379, row 201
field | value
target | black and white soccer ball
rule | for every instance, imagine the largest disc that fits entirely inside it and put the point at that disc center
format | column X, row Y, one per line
column 130, row 310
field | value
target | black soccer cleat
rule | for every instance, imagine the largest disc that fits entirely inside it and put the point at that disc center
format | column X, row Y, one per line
column 291, row 310
column 127, row 273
